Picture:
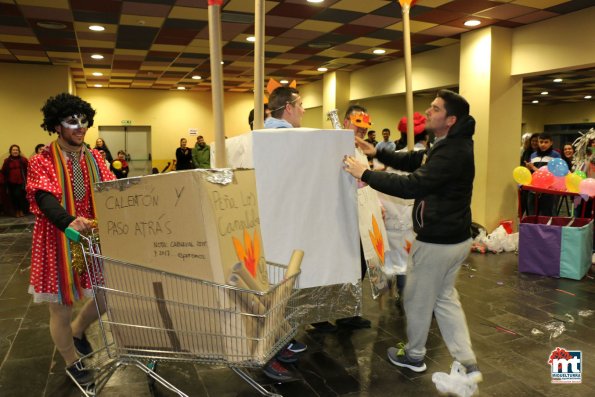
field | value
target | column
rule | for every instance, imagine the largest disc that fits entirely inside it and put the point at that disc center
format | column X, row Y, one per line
column 496, row 104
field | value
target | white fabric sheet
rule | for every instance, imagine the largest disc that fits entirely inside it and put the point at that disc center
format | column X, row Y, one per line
column 308, row 202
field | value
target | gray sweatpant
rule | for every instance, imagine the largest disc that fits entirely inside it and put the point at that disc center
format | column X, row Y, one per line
column 431, row 274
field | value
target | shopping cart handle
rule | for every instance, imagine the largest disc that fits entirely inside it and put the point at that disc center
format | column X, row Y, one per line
column 72, row 234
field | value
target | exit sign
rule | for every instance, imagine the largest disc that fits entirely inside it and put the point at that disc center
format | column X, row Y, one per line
column 126, row 122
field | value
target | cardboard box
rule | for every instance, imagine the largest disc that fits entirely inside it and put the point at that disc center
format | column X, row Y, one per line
column 182, row 223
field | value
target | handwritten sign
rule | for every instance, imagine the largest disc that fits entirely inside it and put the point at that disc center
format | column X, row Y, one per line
column 180, row 223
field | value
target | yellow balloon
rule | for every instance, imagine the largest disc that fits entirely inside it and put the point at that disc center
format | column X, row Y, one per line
column 521, row 175
column 572, row 182
column 117, row 164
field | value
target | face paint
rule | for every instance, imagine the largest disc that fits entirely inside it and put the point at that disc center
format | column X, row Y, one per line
column 75, row 121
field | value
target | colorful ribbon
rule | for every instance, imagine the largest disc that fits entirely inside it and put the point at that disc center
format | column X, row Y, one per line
column 69, row 285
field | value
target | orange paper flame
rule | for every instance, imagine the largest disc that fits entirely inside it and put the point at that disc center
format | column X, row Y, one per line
column 407, row 246
column 377, row 241
column 249, row 253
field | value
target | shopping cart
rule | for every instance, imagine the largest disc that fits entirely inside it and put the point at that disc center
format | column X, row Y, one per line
column 151, row 316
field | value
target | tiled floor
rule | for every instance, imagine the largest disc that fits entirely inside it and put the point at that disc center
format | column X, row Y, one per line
column 508, row 315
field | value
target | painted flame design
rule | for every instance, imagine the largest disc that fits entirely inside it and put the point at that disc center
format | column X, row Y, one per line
column 377, row 241
column 249, row 253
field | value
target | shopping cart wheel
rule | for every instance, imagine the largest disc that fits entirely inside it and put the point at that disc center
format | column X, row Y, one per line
column 152, row 366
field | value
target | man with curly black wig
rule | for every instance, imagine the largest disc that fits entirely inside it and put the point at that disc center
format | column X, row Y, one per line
column 59, row 188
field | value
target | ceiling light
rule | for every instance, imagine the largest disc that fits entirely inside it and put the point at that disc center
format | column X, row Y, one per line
column 97, row 56
column 181, row 88
column 322, row 69
column 251, row 39
column 558, row 80
column 315, row 1
column 51, row 25
column 379, row 51
column 472, row 22
column 544, row 92
column 284, row 81
column 196, row 77
column 96, row 28
column 98, row 85
column 535, row 101
column 587, row 96
column 97, row 74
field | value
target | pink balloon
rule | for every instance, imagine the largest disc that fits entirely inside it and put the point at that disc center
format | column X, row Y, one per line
column 559, row 184
column 542, row 178
column 587, row 186
column 543, row 168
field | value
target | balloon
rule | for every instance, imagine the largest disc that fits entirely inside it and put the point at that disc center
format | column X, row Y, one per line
column 117, row 164
column 581, row 174
column 542, row 178
column 572, row 182
column 587, row 186
column 558, row 167
column 543, row 168
column 559, row 184
column 521, row 175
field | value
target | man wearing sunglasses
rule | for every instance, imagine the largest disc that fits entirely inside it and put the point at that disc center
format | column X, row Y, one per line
column 59, row 188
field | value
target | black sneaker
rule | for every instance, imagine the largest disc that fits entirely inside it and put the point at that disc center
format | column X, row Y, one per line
column 473, row 373
column 278, row 372
column 79, row 374
column 398, row 357
column 286, row 356
column 82, row 345
column 354, row 322
column 296, row 346
column 324, row 326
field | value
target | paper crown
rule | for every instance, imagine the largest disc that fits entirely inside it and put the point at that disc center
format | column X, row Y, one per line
column 419, row 124
column 273, row 84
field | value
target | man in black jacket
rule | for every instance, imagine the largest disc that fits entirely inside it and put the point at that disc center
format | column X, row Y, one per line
column 442, row 188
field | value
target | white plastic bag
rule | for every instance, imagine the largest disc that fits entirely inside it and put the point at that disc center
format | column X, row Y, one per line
column 456, row 383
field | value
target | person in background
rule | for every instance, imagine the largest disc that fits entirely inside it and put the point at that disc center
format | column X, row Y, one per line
column 59, row 188
column 104, row 157
column 530, row 146
column 567, row 155
column 183, row 156
column 266, row 115
column 441, row 186
column 386, row 143
column 39, row 147
column 101, row 145
column 371, row 139
column 201, row 153
column 547, row 202
column 120, row 166
column 398, row 217
column 14, row 170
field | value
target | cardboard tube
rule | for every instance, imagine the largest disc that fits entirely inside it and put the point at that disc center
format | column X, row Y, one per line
column 250, row 302
column 246, row 277
column 295, row 262
column 217, row 82
column 408, row 87
column 259, row 15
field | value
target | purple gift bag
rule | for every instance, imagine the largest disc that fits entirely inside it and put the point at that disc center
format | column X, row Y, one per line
column 549, row 244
